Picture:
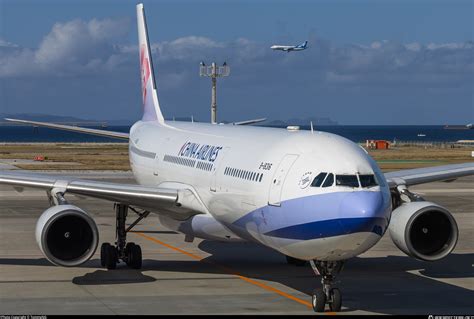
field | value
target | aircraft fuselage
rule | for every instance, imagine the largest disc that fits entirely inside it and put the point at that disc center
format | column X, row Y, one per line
column 256, row 182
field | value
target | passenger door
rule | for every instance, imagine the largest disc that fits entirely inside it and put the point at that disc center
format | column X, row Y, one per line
column 218, row 170
column 279, row 177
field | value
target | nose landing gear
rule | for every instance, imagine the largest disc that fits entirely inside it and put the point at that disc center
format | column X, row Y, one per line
column 328, row 295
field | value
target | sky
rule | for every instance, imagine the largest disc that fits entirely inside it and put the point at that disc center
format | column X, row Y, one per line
column 369, row 62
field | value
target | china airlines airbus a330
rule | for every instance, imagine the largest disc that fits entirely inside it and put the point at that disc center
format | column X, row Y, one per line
column 312, row 196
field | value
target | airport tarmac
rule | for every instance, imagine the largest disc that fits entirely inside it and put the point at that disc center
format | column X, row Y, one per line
column 206, row 277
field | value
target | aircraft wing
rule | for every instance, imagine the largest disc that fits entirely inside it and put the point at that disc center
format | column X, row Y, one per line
column 71, row 128
column 177, row 203
column 428, row 174
column 248, row 122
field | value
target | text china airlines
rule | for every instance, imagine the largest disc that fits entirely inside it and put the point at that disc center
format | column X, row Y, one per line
column 203, row 152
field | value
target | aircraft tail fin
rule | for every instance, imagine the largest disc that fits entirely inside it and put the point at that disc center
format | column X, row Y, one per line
column 303, row 45
column 151, row 106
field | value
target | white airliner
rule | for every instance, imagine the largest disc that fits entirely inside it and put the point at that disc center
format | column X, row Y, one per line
column 289, row 48
column 312, row 196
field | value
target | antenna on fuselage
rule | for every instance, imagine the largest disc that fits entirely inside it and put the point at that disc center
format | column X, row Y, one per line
column 311, row 123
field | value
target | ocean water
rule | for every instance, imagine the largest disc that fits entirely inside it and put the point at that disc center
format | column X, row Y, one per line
column 356, row 133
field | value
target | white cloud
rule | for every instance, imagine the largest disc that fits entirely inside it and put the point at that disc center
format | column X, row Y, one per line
column 6, row 44
column 91, row 47
column 453, row 46
column 415, row 46
column 73, row 47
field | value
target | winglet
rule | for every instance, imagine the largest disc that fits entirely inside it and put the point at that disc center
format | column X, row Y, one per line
column 151, row 106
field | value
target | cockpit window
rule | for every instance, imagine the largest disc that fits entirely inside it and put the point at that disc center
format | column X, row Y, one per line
column 329, row 180
column 367, row 180
column 347, row 180
column 318, row 180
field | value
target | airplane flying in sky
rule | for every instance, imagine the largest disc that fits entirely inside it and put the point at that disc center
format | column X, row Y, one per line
column 312, row 196
column 289, row 48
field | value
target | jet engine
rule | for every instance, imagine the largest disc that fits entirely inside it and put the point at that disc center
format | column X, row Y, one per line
column 423, row 230
column 67, row 235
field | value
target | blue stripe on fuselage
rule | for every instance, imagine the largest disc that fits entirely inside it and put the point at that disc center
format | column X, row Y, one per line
column 319, row 216
column 331, row 228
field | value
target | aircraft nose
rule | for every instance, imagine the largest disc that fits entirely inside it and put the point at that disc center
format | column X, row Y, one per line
column 363, row 212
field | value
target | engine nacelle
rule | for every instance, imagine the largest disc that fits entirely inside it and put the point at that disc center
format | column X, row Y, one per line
column 67, row 235
column 201, row 226
column 423, row 230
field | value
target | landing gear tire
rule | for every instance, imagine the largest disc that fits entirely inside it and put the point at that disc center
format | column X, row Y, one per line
column 328, row 270
column 133, row 255
column 318, row 300
column 130, row 253
column 103, row 249
column 127, row 248
column 336, row 300
column 295, row 261
column 111, row 257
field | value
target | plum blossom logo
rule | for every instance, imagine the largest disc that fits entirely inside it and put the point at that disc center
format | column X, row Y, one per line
column 305, row 180
column 145, row 70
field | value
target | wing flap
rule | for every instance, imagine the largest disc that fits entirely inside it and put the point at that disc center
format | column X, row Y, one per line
column 429, row 174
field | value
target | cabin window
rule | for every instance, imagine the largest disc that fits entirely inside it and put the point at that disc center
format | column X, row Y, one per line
column 318, row 180
column 329, row 181
column 347, row 180
column 367, row 180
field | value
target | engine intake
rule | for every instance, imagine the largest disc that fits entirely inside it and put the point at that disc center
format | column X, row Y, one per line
column 423, row 230
column 67, row 235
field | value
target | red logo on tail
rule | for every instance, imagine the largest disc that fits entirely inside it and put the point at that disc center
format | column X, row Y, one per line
column 145, row 68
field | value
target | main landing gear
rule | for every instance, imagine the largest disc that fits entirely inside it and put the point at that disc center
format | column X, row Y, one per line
column 328, row 295
column 129, row 253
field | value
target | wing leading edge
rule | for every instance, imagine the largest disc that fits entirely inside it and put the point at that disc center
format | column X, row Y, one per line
column 71, row 128
column 177, row 203
column 428, row 174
